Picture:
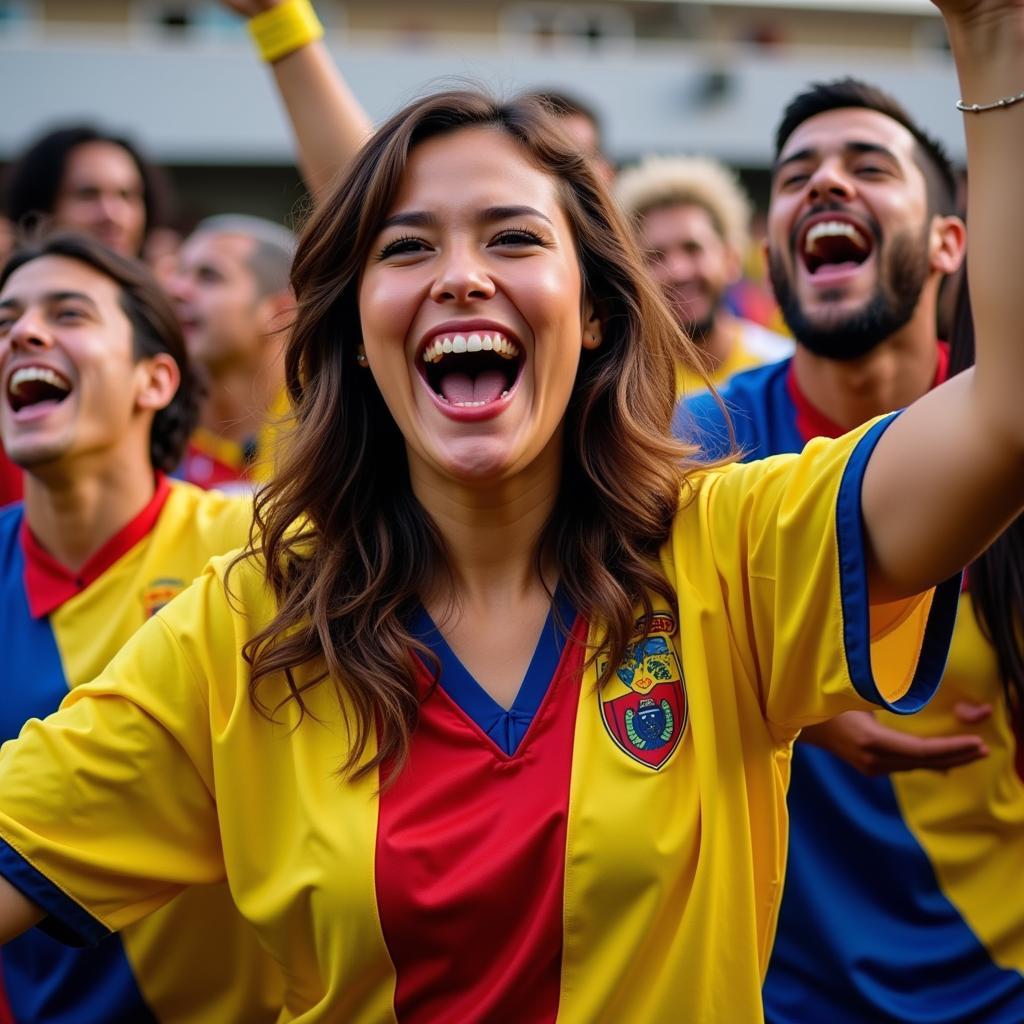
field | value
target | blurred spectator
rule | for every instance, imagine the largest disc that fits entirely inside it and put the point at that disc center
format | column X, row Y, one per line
column 692, row 220
column 235, row 303
column 99, row 402
column 581, row 122
column 82, row 178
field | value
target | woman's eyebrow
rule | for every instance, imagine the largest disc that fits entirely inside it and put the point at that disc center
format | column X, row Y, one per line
column 425, row 219
column 410, row 219
column 493, row 213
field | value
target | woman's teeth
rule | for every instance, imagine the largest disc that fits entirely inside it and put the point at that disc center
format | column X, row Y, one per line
column 458, row 344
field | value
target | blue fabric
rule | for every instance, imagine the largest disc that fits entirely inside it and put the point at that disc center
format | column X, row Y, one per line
column 866, row 935
column 46, row 981
column 854, row 589
column 762, row 413
column 506, row 728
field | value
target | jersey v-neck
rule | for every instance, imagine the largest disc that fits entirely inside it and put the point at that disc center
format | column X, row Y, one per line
column 504, row 727
column 49, row 583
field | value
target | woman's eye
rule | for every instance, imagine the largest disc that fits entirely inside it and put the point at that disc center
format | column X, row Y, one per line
column 70, row 314
column 402, row 247
column 518, row 236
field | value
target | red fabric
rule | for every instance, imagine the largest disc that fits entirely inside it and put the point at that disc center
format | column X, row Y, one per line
column 203, row 469
column 470, row 860
column 812, row 422
column 10, row 490
column 6, row 1015
column 48, row 584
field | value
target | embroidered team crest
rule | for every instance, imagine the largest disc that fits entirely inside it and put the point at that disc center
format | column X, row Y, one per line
column 160, row 592
column 644, row 704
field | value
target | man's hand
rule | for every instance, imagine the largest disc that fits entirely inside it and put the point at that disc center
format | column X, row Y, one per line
column 858, row 738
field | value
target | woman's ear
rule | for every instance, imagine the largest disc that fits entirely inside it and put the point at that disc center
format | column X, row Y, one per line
column 592, row 327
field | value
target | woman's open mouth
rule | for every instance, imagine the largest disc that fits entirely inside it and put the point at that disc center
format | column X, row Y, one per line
column 472, row 371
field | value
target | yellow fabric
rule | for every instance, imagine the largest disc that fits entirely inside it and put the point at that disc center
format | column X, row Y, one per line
column 752, row 346
column 970, row 821
column 690, row 383
column 269, row 439
column 179, row 954
column 284, row 29
column 672, row 875
column 688, row 918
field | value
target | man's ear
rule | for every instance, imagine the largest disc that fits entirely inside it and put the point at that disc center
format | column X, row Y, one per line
column 593, row 329
column 157, row 379
column 947, row 244
column 279, row 312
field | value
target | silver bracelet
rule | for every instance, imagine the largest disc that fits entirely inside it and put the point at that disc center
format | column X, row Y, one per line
column 980, row 108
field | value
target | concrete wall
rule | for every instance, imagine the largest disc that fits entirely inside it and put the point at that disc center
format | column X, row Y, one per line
column 214, row 103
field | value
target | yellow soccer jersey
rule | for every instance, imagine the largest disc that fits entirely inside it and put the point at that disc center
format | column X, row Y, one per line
column 196, row 961
column 671, row 842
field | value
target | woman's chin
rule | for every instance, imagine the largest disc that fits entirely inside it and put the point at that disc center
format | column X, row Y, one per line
column 479, row 460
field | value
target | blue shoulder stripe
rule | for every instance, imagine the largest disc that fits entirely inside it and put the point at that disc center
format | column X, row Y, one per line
column 69, row 922
column 854, row 591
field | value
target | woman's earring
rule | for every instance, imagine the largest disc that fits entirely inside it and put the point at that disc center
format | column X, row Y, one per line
column 361, row 357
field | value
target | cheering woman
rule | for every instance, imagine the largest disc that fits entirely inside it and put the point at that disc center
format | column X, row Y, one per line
column 493, row 720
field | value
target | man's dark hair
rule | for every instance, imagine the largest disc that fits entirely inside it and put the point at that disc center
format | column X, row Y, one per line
column 562, row 104
column 155, row 329
column 851, row 92
column 33, row 181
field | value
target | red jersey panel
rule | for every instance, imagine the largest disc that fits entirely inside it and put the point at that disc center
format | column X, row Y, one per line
column 470, row 855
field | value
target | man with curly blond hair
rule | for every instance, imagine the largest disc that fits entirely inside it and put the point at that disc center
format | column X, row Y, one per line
column 692, row 221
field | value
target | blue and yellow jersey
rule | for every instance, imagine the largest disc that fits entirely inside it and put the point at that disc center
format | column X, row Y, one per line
column 195, row 960
column 902, row 899
column 609, row 853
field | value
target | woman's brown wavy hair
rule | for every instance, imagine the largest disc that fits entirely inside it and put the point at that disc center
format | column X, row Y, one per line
column 348, row 577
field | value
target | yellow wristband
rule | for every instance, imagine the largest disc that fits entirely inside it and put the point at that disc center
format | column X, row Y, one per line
column 285, row 29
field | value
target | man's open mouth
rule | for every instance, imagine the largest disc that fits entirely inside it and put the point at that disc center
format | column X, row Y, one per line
column 471, row 370
column 835, row 244
column 33, row 385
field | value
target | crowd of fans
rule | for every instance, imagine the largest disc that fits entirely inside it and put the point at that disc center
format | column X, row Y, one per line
column 155, row 384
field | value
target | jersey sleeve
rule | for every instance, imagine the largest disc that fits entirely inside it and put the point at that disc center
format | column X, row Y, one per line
column 788, row 544
column 107, row 806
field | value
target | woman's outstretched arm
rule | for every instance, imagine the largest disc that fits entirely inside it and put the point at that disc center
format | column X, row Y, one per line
column 327, row 120
column 948, row 476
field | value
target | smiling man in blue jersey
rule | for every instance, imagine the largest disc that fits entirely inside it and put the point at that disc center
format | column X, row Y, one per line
column 98, row 403
column 900, row 899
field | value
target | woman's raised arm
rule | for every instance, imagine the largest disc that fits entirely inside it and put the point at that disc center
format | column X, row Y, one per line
column 948, row 476
column 327, row 120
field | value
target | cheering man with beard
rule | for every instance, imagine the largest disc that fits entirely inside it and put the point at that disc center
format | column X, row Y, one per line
column 901, row 898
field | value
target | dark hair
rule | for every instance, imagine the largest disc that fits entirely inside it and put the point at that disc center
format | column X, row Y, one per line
column 851, row 92
column 562, row 104
column 995, row 579
column 347, row 548
column 155, row 329
column 32, row 182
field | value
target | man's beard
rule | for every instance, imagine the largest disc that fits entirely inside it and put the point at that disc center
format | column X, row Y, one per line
column 901, row 278
column 698, row 330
